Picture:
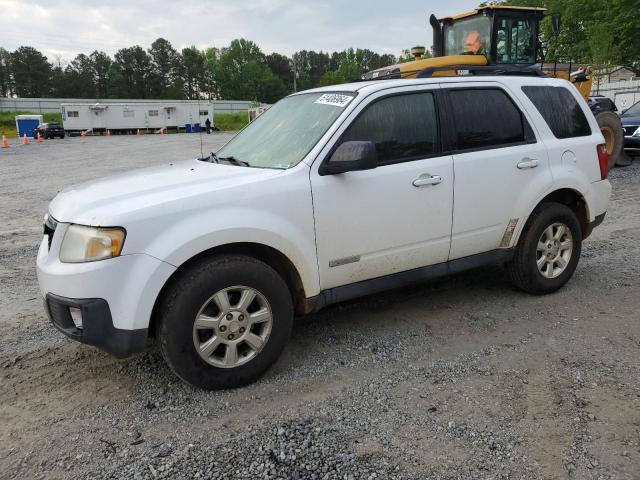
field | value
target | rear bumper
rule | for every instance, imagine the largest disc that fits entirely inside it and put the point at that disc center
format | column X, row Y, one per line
column 97, row 326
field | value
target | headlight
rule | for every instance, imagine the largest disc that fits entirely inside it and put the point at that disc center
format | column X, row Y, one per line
column 89, row 244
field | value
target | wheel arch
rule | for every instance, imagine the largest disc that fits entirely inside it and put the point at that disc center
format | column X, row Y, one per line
column 572, row 199
column 269, row 255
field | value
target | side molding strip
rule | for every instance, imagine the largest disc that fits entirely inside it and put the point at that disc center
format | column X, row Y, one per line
column 417, row 275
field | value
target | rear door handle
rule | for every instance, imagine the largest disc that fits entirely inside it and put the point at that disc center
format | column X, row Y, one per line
column 426, row 179
column 528, row 163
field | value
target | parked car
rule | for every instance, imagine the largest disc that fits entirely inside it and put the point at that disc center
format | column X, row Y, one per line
column 49, row 130
column 600, row 103
column 631, row 124
column 331, row 194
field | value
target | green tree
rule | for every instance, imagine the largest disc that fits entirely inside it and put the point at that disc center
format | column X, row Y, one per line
column 6, row 87
column 101, row 63
column 330, row 78
column 242, row 73
column 31, row 72
column 193, row 72
column 211, row 56
column 163, row 62
column 282, row 67
column 79, row 80
column 130, row 73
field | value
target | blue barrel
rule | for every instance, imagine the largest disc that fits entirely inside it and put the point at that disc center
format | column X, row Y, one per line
column 196, row 127
column 187, row 128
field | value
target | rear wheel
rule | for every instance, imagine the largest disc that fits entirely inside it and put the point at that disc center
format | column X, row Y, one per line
column 611, row 129
column 548, row 251
column 225, row 321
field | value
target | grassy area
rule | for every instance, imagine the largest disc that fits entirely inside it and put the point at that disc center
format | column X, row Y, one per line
column 8, row 121
column 230, row 121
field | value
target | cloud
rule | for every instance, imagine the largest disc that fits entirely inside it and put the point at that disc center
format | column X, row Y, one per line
column 67, row 27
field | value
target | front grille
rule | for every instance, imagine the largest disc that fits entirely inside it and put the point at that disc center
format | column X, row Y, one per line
column 630, row 130
column 50, row 225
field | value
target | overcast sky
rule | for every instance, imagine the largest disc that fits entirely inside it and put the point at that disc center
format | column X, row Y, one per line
column 68, row 27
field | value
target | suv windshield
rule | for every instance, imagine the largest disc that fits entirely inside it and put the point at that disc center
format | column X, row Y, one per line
column 468, row 36
column 283, row 135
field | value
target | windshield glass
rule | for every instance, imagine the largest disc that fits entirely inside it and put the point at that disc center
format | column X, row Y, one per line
column 283, row 135
column 468, row 36
column 634, row 110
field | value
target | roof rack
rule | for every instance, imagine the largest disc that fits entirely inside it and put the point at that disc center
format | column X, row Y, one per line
column 484, row 70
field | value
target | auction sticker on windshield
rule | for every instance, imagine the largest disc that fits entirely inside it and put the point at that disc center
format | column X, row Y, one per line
column 335, row 99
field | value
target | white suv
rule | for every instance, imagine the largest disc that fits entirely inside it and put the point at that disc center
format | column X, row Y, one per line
column 332, row 194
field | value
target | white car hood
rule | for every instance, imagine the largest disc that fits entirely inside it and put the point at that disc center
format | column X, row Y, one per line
column 112, row 199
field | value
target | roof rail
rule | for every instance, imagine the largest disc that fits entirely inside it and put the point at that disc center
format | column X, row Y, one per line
column 469, row 70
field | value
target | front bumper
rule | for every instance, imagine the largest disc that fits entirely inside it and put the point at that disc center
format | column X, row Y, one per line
column 118, row 294
column 97, row 327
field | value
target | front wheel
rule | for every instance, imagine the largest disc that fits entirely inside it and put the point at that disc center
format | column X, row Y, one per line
column 548, row 251
column 225, row 321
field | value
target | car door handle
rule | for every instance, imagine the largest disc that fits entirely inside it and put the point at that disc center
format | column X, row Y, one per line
column 528, row 163
column 426, row 180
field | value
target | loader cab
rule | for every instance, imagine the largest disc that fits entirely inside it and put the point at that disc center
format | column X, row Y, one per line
column 504, row 35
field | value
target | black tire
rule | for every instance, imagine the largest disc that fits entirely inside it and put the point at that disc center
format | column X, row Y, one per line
column 611, row 127
column 62, row 137
column 523, row 270
column 182, row 302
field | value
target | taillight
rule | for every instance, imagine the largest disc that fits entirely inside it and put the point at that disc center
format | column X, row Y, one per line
column 603, row 159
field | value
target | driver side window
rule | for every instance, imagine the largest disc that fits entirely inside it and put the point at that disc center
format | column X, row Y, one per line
column 402, row 127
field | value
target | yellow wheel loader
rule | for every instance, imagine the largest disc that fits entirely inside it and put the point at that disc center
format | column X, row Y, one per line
column 499, row 40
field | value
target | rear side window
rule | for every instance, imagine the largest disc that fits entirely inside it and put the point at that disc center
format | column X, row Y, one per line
column 560, row 110
column 403, row 127
column 487, row 118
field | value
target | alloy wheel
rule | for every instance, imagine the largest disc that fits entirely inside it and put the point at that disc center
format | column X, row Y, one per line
column 232, row 326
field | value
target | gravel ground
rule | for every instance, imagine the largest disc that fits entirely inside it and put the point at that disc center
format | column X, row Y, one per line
column 459, row 378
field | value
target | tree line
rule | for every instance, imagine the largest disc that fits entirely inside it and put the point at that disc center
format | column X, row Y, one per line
column 600, row 33
column 240, row 71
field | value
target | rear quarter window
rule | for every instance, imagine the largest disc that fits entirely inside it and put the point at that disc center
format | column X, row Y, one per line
column 560, row 110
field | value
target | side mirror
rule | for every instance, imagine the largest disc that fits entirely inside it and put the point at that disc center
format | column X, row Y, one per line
column 555, row 25
column 349, row 157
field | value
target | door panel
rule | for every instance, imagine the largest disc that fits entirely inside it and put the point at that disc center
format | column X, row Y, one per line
column 393, row 218
column 376, row 222
column 500, row 168
column 490, row 192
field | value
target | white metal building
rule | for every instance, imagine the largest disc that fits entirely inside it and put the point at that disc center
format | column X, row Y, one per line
column 131, row 116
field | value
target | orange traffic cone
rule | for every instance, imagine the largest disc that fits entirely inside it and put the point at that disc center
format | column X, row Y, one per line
column 5, row 144
column 138, row 132
column 25, row 141
column 108, row 133
column 38, row 138
column 83, row 133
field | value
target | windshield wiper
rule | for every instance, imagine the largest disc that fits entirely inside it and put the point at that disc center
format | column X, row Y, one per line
column 233, row 161
column 213, row 158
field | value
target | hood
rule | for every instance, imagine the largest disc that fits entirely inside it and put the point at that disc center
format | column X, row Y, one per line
column 630, row 119
column 108, row 201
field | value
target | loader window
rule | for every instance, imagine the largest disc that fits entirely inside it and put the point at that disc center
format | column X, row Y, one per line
column 487, row 118
column 468, row 36
column 515, row 41
column 560, row 110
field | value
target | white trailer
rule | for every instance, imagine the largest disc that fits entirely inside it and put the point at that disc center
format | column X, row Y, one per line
column 129, row 117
